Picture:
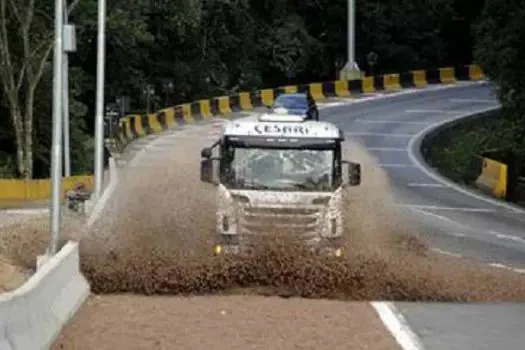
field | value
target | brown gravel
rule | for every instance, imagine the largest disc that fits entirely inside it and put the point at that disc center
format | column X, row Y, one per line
column 11, row 275
column 165, row 248
column 228, row 322
column 13, row 272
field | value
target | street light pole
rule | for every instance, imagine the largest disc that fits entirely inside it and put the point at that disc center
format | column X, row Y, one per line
column 351, row 69
column 56, row 150
column 99, row 117
column 65, row 89
column 351, row 33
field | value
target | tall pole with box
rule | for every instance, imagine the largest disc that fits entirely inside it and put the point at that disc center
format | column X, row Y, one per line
column 56, row 148
column 99, row 116
column 351, row 69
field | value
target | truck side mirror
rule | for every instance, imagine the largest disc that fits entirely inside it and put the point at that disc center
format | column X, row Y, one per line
column 208, row 171
column 352, row 175
column 206, row 153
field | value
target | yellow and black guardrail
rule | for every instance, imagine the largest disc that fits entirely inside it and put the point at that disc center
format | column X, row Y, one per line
column 135, row 126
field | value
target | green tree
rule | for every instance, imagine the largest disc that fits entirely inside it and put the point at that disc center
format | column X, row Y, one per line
column 500, row 50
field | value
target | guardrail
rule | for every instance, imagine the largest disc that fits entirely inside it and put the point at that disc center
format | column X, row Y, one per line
column 131, row 127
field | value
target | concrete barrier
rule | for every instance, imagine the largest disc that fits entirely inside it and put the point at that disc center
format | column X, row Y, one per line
column 32, row 316
column 37, row 189
column 493, row 178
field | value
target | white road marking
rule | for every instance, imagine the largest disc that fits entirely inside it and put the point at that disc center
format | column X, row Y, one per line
column 427, row 111
column 506, row 267
column 506, row 237
column 434, row 185
column 436, row 207
column 324, row 105
column 494, row 234
column 399, row 122
column 396, row 165
column 387, row 149
column 457, row 234
column 446, row 252
column 470, row 100
column 440, row 217
column 396, row 324
column 414, row 143
column 492, row 264
column 357, row 133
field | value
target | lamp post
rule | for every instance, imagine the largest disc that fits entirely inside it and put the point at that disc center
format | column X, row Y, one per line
column 351, row 69
column 56, row 149
column 99, row 116
column 69, row 46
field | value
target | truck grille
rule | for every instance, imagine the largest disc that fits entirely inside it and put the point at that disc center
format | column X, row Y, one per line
column 298, row 221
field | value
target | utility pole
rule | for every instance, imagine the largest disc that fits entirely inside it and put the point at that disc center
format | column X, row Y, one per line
column 351, row 69
column 69, row 46
column 56, row 150
column 99, row 117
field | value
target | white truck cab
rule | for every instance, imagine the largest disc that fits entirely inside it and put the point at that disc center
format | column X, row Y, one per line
column 278, row 172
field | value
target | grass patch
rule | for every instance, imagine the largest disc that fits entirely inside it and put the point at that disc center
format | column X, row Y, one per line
column 456, row 152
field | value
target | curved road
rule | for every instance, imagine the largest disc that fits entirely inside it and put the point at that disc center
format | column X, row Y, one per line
column 457, row 221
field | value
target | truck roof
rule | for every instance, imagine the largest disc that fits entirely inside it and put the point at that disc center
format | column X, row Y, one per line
column 276, row 125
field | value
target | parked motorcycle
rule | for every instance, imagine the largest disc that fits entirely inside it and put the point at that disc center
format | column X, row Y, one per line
column 77, row 197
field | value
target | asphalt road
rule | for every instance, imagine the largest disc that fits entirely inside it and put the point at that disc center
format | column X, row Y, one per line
column 454, row 221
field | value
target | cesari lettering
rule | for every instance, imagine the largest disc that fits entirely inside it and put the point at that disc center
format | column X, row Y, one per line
column 281, row 129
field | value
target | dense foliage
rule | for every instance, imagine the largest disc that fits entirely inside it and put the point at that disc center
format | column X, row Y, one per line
column 189, row 49
column 500, row 50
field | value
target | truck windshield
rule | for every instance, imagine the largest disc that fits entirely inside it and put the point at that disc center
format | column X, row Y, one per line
column 278, row 169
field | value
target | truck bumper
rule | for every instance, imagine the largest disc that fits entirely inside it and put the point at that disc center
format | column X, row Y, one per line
column 232, row 245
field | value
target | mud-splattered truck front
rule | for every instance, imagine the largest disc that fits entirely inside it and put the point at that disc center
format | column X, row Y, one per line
column 281, row 174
